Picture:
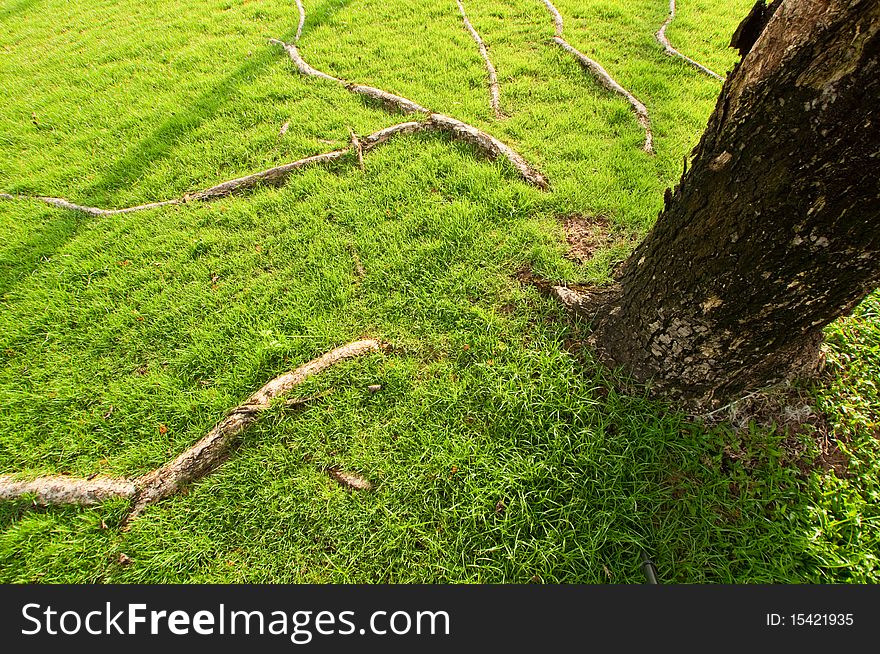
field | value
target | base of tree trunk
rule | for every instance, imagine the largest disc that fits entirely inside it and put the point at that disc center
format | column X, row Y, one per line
column 800, row 361
column 772, row 233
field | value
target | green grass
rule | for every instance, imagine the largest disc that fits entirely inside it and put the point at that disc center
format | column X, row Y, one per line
column 498, row 455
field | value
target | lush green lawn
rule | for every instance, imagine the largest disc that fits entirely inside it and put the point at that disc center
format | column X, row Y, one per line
column 498, row 454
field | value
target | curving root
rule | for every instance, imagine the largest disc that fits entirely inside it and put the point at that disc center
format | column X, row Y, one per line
column 193, row 464
column 271, row 177
column 434, row 121
column 604, row 78
column 672, row 52
column 491, row 146
column 494, row 93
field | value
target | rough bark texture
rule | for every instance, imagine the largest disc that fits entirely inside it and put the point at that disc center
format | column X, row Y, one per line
column 60, row 489
column 672, row 52
column 774, row 232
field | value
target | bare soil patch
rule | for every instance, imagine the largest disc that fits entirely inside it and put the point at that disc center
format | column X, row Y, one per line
column 585, row 236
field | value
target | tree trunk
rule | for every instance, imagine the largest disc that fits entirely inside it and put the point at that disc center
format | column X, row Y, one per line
column 774, row 232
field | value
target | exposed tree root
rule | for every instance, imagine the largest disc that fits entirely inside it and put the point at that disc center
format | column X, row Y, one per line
column 557, row 18
column 60, row 489
column 604, row 78
column 494, row 93
column 61, row 203
column 585, row 301
column 388, row 99
column 571, row 300
column 302, row 20
column 271, row 177
column 300, row 63
column 205, row 455
column 491, row 146
column 672, row 52
column 277, row 175
column 455, row 128
column 196, row 462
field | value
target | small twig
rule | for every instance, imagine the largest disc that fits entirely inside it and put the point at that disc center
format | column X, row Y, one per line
column 730, row 405
column 297, row 402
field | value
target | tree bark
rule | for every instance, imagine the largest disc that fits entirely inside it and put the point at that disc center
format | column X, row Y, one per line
column 773, row 232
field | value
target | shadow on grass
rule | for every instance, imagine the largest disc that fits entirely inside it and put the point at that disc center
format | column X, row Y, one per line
column 714, row 503
column 16, row 8
column 22, row 259
column 110, row 515
column 177, row 127
column 323, row 13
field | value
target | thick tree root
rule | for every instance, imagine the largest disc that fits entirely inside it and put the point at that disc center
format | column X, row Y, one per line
column 491, row 146
column 570, row 299
column 386, row 98
column 589, row 302
column 193, row 464
column 60, row 489
column 494, row 93
column 205, row 455
column 672, row 52
column 455, row 128
column 603, row 78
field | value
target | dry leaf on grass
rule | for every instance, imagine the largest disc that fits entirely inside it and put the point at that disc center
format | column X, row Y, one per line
column 350, row 480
